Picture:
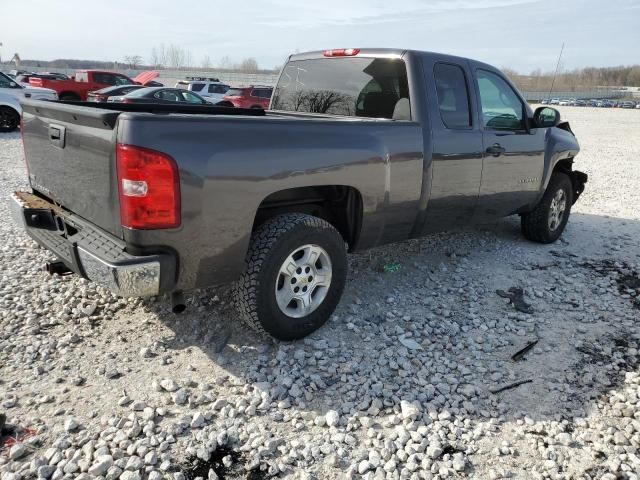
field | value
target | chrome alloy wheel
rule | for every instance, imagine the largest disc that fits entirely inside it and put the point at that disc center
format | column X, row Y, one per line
column 557, row 209
column 303, row 281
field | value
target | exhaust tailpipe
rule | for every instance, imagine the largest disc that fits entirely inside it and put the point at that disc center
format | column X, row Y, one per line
column 57, row 268
column 177, row 302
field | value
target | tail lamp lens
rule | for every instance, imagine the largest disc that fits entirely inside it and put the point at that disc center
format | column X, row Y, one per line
column 149, row 188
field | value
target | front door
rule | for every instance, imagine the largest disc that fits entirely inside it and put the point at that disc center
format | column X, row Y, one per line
column 513, row 162
column 457, row 145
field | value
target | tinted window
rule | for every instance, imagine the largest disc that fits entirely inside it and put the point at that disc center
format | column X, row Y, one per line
column 168, row 96
column 353, row 86
column 121, row 80
column 262, row 92
column 196, row 87
column 106, row 78
column 5, row 81
column 82, row 77
column 501, row 107
column 192, row 98
column 218, row 88
column 453, row 95
column 235, row 92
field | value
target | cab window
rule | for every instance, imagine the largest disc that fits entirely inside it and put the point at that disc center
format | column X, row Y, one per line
column 502, row 109
column 453, row 96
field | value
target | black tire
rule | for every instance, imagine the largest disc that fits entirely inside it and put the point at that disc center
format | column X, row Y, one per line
column 271, row 244
column 536, row 225
column 9, row 119
column 69, row 97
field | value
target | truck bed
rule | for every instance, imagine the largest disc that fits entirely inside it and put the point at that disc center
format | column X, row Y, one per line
column 229, row 162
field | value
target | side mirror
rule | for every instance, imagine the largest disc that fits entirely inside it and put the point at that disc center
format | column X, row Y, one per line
column 545, row 117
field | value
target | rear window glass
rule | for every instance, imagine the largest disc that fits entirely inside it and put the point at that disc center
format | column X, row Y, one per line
column 357, row 87
column 235, row 92
column 196, row 87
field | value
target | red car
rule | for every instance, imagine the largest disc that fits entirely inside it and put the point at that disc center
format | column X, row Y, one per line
column 249, row 97
column 85, row 81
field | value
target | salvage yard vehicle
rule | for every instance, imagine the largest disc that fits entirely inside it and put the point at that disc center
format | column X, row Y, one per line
column 213, row 91
column 10, row 86
column 254, row 96
column 161, row 95
column 359, row 148
column 85, row 81
column 105, row 94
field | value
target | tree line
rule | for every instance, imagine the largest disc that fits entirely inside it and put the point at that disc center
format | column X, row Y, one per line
column 175, row 57
column 577, row 79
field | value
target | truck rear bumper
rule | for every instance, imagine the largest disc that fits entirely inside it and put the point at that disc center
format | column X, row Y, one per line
column 92, row 252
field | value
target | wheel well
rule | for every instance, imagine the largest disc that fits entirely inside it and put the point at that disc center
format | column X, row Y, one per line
column 564, row 166
column 339, row 205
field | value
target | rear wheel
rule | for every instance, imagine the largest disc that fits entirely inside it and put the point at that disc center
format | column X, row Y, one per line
column 9, row 119
column 547, row 221
column 295, row 275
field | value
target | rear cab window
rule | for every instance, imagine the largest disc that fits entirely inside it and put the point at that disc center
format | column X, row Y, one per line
column 346, row 86
column 235, row 92
column 453, row 96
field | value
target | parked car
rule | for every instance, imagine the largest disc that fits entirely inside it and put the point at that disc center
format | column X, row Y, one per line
column 356, row 151
column 565, row 102
column 249, row 97
column 580, row 103
column 638, row 105
column 212, row 91
column 627, row 104
column 545, row 101
column 160, row 95
column 9, row 86
column 10, row 112
column 104, row 94
column 85, row 81
column 554, row 101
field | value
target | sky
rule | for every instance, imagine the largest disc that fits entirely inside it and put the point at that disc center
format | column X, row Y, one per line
column 519, row 34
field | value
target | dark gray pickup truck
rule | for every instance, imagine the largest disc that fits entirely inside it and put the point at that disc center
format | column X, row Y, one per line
column 359, row 148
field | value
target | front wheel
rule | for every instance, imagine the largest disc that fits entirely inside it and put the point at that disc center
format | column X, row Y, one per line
column 9, row 119
column 295, row 274
column 547, row 221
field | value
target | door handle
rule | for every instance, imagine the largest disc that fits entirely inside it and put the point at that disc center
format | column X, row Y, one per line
column 496, row 150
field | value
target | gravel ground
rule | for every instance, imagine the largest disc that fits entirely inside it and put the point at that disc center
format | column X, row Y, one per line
column 403, row 382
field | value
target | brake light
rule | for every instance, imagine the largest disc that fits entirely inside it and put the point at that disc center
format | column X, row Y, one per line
column 149, row 188
column 342, row 52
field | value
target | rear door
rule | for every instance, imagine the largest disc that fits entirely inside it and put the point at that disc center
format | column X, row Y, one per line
column 457, row 144
column 513, row 160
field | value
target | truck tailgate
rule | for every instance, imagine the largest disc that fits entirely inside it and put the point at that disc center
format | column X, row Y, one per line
column 70, row 155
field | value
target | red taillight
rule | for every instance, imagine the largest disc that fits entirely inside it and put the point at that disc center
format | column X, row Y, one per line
column 342, row 52
column 149, row 187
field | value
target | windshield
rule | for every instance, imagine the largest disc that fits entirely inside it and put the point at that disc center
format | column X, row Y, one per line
column 360, row 87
